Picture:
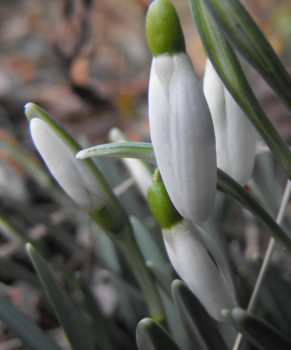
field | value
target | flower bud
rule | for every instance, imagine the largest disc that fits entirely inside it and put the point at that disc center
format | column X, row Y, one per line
column 200, row 264
column 81, row 180
column 193, row 254
column 182, row 134
column 181, row 127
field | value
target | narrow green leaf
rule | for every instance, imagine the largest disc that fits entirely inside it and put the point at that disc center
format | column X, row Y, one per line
column 140, row 150
column 75, row 329
column 199, row 325
column 24, row 328
column 152, row 336
column 117, row 136
column 246, row 36
column 225, row 62
column 257, row 331
column 225, row 184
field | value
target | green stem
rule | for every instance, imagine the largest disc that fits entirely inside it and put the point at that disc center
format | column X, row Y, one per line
column 130, row 249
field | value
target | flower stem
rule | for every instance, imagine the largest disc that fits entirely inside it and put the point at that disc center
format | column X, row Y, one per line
column 129, row 247
column 266, row 262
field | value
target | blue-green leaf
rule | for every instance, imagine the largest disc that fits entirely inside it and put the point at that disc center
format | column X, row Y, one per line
column 257, row 331
column 199, row 325
column 224, row 183
column 140, row 150
column 76, row 331
column 24, row 328
column 152, row 336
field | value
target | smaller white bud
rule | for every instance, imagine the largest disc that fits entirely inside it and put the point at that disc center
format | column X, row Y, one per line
column 200, row 264
column 234, row 133
column 70, row 173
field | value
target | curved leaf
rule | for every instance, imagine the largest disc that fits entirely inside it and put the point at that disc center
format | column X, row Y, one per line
column 199, row 325
column 224, row 183
column 76, row 331
column 152, row 336
column 24, row 328
column 139, row 150
column 257, row 331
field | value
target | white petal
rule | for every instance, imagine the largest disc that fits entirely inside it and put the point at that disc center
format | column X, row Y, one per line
column 214, row 93
column 193, row 263
column 71, row 174
column 218, row 257
column 241, row 140
column 193, row 144
column 160, row 77
column 182, row 134
column 234, row 133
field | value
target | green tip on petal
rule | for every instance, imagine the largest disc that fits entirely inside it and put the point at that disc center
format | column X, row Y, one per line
column 161, row 206
column 163, row 29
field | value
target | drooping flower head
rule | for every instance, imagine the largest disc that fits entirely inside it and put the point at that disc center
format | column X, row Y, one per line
column 234, row 133
column 181, row 127
column 193, row 255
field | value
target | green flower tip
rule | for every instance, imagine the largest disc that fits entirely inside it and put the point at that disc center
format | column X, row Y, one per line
column 161, row 206
column 163, row 29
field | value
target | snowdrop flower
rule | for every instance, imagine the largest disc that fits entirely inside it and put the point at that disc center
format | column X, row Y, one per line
column 181, row 127
column 78, row 178
column 193, row 255
column 235, row 135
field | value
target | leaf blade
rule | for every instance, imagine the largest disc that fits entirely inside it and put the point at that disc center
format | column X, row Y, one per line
column 25, row 329
column 75, row 330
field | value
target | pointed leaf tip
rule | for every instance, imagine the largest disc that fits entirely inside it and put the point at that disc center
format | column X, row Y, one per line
column 29, row 110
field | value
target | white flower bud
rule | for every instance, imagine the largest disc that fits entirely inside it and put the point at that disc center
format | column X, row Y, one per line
column 71, row 174
column 234, row 133
column 200, row 264
column 182, row 134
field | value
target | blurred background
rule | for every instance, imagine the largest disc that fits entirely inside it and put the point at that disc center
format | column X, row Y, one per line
column 87, row 63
